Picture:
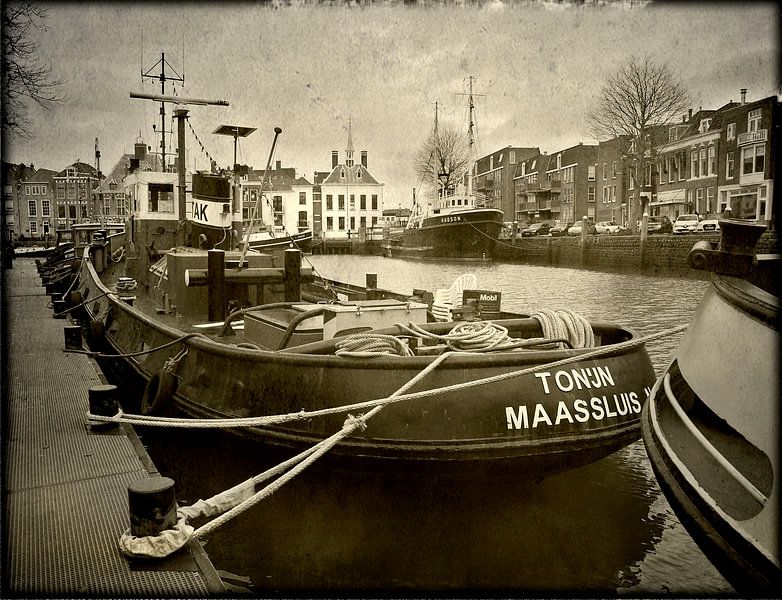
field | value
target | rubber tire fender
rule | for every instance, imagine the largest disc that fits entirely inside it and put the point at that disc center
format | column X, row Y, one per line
column 159, row 392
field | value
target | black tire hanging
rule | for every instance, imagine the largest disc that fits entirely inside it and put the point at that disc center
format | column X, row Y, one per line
column 159, row 392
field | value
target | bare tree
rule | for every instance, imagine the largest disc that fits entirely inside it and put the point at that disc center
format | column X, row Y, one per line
column 24, row 76
column 638, row 102
column 443, row 157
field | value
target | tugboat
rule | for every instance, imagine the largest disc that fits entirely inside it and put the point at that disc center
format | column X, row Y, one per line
column 711, row 425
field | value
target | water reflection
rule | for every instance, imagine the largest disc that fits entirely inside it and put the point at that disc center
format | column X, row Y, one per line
column 597, row 529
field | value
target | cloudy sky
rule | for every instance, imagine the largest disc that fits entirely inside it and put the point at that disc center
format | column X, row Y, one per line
column 308, row 68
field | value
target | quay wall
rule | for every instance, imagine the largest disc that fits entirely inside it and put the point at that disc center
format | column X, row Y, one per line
column 658, row 253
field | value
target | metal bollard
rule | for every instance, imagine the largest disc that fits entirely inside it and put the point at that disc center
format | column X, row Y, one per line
column 152, row 506
column 60, row 306
column 73, row 337
column 103, row 402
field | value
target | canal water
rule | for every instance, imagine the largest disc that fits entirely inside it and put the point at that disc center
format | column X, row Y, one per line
column 603, row 529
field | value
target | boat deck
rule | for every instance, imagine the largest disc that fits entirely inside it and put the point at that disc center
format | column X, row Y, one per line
column 66, row 502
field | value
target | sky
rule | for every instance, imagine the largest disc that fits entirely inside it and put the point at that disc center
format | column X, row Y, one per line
column 310, row 68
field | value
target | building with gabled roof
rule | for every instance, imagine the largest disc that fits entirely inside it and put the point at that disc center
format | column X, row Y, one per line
column 287, row 200
column 351, row 197
column 73, row 190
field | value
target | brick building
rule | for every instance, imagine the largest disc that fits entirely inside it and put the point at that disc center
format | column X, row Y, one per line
column 73, row 191
column 493, row 178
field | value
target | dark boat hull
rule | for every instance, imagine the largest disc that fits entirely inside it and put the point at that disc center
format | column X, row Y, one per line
column 301, row 241
column 463, row 234
column 529, row 426
column 725, row 490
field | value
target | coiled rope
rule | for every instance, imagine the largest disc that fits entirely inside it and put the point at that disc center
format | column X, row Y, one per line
column 566, row 324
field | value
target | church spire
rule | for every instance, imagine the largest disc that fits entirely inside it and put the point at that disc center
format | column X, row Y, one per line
column 349, row 149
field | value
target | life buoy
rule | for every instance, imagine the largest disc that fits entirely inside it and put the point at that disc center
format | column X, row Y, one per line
column 159, row 392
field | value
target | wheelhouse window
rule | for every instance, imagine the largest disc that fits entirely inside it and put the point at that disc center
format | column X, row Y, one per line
column 160, row 197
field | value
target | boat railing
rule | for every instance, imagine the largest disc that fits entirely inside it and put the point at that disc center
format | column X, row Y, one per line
column 734, row 473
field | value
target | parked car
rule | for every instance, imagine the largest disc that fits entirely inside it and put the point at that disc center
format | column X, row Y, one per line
column 709, row 223
column 541, row 228
column 576, row 229
column 560, row 228
column 657, row 224
column 608, row 227
column 686, row 224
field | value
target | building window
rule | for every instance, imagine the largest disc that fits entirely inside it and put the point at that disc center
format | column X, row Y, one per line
column 302, row 197
column 753, row 120
column 605, row 171
column 731, row 134
column 329, row 202
column 753, row 159
column 342, row 223
column 28, row 190
column 45, row 208
column 72, row 211
column 106, row 208
column 712, row 160
column 591, row 193
column 341, row 204
column 699, row 200
column 277, row 204
column 302, row 219
column 352, row 203
column 613, row 170
column 32, row 208
column 71, row 190
column 605, row 195
column 702, row 162
column 374, row 201
column 329, row 223
column 559, row 161
column 362, row 222
column 61, row 212
column 362, row 201
column 374, row 221
column 590, row 173
column 83, row 212
column 33, row 227
column 710, row 200
column 60, row 190
column 689, row 199
column 694, row 164
column 352, row 222
column 729, row 165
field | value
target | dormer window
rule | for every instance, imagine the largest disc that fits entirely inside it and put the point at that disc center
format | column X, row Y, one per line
column 559, row 161
column 705, row 124
column 112, row 185
column 342, row 174
column 358, row 173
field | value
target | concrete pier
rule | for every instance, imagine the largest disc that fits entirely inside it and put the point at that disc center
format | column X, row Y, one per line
column 66, row 487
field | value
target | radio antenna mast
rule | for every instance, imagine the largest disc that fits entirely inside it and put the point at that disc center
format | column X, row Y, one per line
column 162, row 76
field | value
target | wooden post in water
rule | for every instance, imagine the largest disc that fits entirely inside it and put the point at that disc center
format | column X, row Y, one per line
column 644, row 234
column 371, row 285
column 583, row 242
column 216, row 288
column 292, row 275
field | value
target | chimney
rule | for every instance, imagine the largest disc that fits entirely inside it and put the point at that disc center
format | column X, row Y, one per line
column 689, row 115
column 334, row 158
column 141, row 150
column 364, row 158
column 743, row 95
column 278, row 165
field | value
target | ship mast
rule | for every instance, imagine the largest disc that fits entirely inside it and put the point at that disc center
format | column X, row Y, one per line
column 471, row 134
column 163, row 77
